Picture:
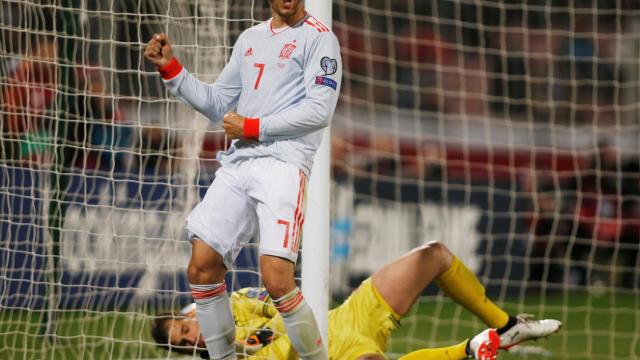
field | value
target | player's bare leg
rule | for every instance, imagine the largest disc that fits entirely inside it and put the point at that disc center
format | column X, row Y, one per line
column 302, row 329
column 277, row 275
column 401, row 281
column 206, row 277
column 206, row 266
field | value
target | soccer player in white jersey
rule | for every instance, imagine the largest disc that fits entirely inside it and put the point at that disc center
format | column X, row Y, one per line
column 275, row 95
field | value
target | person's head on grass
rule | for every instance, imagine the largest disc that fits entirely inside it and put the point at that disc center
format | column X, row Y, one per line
column 178, row 332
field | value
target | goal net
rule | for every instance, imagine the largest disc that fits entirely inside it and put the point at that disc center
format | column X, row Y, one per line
column 99, row 166
column 507, row 130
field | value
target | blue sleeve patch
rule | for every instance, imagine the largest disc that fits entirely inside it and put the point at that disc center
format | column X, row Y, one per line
column 321, row 80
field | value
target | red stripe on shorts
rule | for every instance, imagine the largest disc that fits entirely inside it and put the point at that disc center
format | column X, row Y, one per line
column 298, row 212
column 297, row 241
column 300, row 220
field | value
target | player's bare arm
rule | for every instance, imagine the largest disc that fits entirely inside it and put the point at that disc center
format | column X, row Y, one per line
column 158, row 50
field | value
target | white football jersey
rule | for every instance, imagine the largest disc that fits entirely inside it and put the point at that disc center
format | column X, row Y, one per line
column 289, row 78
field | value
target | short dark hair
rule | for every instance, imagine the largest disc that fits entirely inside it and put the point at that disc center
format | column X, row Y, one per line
column 160, row 333
column 159, row 329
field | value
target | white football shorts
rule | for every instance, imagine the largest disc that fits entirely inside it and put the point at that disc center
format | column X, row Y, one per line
column 261, row 198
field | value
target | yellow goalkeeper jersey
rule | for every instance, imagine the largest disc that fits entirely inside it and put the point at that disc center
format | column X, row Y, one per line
column 253, row 311
column 361, row 325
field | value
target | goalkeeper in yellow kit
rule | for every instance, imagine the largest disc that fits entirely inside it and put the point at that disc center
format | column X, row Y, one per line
column 360, row 328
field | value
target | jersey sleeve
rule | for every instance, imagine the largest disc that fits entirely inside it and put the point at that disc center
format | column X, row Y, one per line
column 212, row 100
column 322, row 77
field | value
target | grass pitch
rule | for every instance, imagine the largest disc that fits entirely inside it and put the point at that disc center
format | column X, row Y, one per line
column 602, row 326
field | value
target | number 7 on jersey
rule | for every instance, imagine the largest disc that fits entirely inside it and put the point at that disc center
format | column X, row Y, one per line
column 261, row 67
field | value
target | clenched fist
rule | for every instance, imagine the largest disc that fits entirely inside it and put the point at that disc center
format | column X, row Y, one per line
column 158, row 50
column 233, row 124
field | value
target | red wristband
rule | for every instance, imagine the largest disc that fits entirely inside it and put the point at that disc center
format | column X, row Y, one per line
column 171, row 70
column 251, row 128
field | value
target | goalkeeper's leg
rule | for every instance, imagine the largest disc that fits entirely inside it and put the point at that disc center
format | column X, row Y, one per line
column 401, row 282
column 460, row 284
column 483, row 346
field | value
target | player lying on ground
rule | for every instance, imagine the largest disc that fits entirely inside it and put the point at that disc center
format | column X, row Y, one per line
column 361, row 326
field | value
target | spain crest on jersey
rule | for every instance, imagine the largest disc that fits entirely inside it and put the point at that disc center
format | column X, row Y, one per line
column 287, row 50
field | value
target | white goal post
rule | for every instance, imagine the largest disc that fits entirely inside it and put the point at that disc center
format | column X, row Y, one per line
column 316, row 248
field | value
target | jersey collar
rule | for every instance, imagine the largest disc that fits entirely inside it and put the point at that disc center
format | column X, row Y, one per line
column 274, row 32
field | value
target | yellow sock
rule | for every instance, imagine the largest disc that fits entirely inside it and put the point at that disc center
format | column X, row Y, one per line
column 460, row 284
column 456, row 352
